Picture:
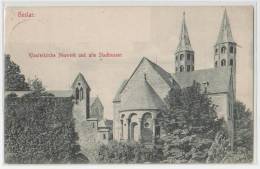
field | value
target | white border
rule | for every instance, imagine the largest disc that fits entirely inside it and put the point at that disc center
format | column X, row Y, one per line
column 139, row 3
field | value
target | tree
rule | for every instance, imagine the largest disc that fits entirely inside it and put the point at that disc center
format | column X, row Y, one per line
column 40, row 130
column 36, row 85
column 243, row 135
column 14, row 80
column 190, row 123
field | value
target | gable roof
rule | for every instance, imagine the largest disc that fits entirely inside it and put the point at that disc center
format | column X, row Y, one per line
column 117, row 96
column 95, row 99
column 225, row 34
column 218, row 78
column 80, row 76
column 164, row 74
column 143, row 97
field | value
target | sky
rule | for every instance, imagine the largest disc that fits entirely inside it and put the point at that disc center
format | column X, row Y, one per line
column 133, row 32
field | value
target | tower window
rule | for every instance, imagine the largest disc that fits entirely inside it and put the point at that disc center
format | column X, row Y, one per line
column 216, row 63
column 223, row 49
column 181, row 57
column 104, row 136
column 93, row 125
column 176, row 58
column 192, row 68
column 231, row 62
column 188, row 56
column 231, row 49
column 192, row 58
column 188, row 68
column 216, row 51
column 181, row 68
column 176, row 69
column 223, row 62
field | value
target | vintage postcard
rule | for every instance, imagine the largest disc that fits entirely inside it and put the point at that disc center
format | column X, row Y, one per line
column 128, row 84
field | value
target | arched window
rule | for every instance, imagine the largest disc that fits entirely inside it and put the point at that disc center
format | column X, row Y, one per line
column 176, row 70
column 231, row 49
column 122, row 129
column 223, row 49
column 216, row 63
column 188, row 68
column 223, row 62
column 188, row 56
column 181, row 68
column 181, row 57
column 77, row 94
column 216, row 51
column 176, row 58
column 81, row 94
column 192, row 68
column 157, row 131
column 231, row 62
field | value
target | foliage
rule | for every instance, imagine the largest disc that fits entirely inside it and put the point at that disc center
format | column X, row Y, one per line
column 243, row 135
column 14, row 80
column 190, row 124
column 40, row 130
column 219, row 149
column 126, row 152
column 36, row 85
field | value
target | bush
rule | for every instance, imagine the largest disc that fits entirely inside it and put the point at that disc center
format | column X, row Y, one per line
column 126, row 152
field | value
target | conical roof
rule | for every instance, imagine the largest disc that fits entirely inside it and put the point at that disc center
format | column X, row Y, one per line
column 142, row 97
column 184, row 43
column 225, row 34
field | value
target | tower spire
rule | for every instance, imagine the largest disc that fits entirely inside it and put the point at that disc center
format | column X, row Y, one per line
column 225, row 49
column 184, row 41
column 225, row 34
column 184, row 55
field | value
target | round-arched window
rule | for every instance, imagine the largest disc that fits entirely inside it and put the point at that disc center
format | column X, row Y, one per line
column 181, row 68
column 231, row 49
column 223, row 49
column 192, row 68
column 231, row 62
column 223, row 62
column 181, row 57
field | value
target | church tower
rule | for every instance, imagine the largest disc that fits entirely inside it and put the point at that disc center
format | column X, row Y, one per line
column 184, row 55
column 225, row 48
column 81, row 94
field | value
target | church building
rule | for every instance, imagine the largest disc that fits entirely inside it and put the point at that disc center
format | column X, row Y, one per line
column 140, row 98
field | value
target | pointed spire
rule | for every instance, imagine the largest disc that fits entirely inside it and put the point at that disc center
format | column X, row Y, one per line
column 225, row 34
column 184, row 43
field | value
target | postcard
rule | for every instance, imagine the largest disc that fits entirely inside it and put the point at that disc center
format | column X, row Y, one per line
column 128, row 84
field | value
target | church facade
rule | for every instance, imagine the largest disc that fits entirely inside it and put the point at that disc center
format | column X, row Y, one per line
column 140, row 98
